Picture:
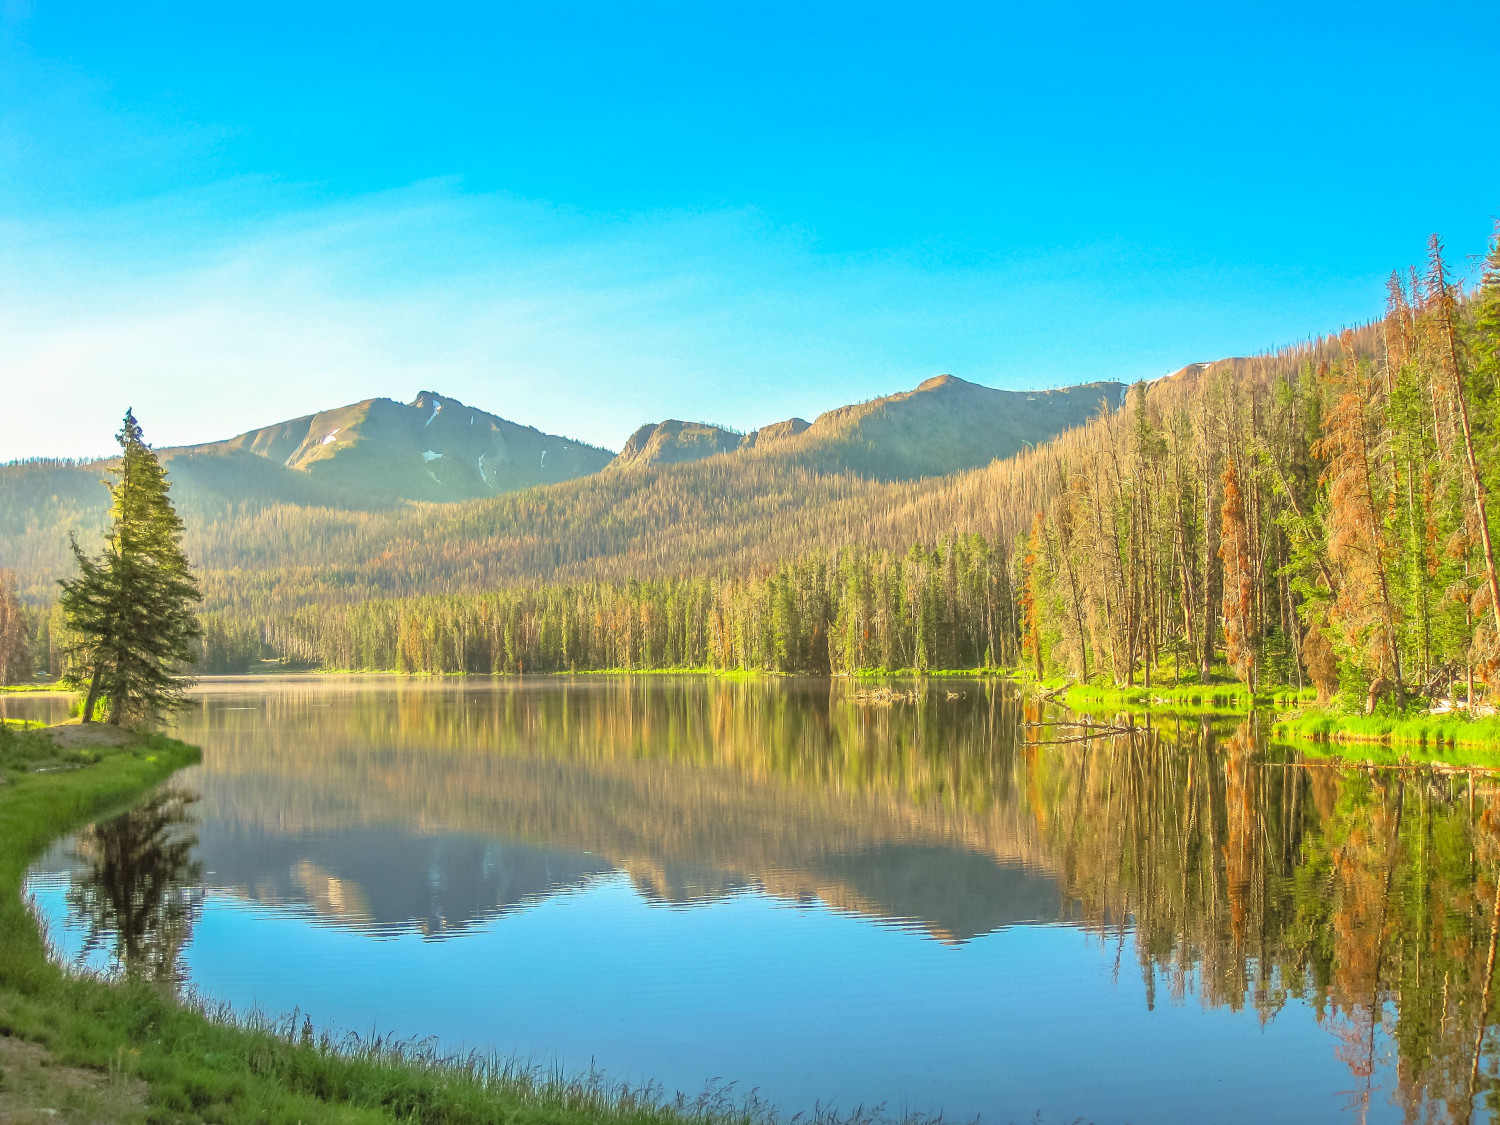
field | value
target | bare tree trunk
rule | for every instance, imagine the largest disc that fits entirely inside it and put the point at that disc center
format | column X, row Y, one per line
column 1210, row 551
column 91, row 700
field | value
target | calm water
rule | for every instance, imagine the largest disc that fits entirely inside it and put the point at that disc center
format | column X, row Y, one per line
column 917, row 906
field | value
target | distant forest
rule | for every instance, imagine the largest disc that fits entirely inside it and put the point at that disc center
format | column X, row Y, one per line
column 1321, row 515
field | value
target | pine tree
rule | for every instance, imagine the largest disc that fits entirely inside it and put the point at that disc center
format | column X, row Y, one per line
column 1442, row 321
column 131, row 609
column 1239, row 585
column 1484, row 333
column 1359, row 546
column 15, row 639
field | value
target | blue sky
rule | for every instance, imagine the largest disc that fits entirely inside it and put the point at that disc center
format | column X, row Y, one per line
column 584, row 217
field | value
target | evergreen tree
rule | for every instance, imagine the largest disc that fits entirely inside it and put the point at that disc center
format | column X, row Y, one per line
column 1239, row 581
column 131, row 610
column 15, row 639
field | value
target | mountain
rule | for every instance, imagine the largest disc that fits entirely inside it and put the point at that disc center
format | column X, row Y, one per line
column 672, row 442
column 378, row 450
column 943, row 426
column 322, row 507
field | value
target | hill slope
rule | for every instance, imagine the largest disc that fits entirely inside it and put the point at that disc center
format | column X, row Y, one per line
column 674, row 442
column 943, row 426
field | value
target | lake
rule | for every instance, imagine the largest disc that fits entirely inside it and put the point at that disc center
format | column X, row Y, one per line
column 835, row 901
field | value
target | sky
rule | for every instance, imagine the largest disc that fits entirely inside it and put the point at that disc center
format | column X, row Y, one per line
column 584, row 217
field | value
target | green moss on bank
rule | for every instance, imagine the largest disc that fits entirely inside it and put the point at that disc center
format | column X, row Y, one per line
column 190, row 1065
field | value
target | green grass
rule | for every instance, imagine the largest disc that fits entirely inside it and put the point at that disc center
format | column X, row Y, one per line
column 1392, row 754
column 734, row 673
column 9, row 689
column 202, row 1065
column 1320, row 724
column 1174, row 689
column 1209, row 698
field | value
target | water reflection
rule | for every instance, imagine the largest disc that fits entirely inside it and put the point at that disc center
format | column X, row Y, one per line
column 434, row 809
column 1214, row 871
column 1253, row 880
column 136, row 886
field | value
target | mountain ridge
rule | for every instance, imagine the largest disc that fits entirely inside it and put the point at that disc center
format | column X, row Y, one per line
column 891, row 437
column 325, row 532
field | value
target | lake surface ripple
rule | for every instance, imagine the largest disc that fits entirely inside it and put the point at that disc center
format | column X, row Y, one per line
column 924, row 905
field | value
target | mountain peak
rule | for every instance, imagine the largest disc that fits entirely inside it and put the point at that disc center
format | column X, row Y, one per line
column 938, row 382
column 674, row 441
column 380, row 450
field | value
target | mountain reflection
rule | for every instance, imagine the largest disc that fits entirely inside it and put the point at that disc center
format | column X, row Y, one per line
column 135, row 886
column 384, row 883
column 434, row 809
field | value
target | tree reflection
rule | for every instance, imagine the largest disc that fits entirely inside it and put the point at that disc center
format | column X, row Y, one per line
column 1254, row 878
column 137, row 888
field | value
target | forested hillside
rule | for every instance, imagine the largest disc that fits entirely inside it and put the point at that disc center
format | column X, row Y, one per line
column 1334, row 522
column 272, row 522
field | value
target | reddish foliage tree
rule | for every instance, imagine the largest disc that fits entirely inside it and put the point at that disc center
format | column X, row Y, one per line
column 1239, row 580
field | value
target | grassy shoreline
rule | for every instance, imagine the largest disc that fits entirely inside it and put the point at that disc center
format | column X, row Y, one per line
column 1294, row 713
column 144, row 1055
column 1319, row 724
column 1211, row 698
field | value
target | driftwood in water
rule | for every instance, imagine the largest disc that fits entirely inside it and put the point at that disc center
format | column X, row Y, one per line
column 1091, row 729
column 884, row 696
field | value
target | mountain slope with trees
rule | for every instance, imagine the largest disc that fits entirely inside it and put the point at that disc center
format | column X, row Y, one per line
column 945, row 425
column 314, row 506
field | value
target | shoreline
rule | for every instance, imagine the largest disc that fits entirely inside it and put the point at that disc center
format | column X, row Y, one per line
column 1292, row 713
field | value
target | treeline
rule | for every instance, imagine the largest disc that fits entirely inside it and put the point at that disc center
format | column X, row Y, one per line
column 738, row 516
column 1334, row 522
column 948, row 606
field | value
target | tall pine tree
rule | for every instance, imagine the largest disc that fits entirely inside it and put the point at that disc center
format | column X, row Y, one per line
column 15, row 641
column 1239, row 580
column 131, row 611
